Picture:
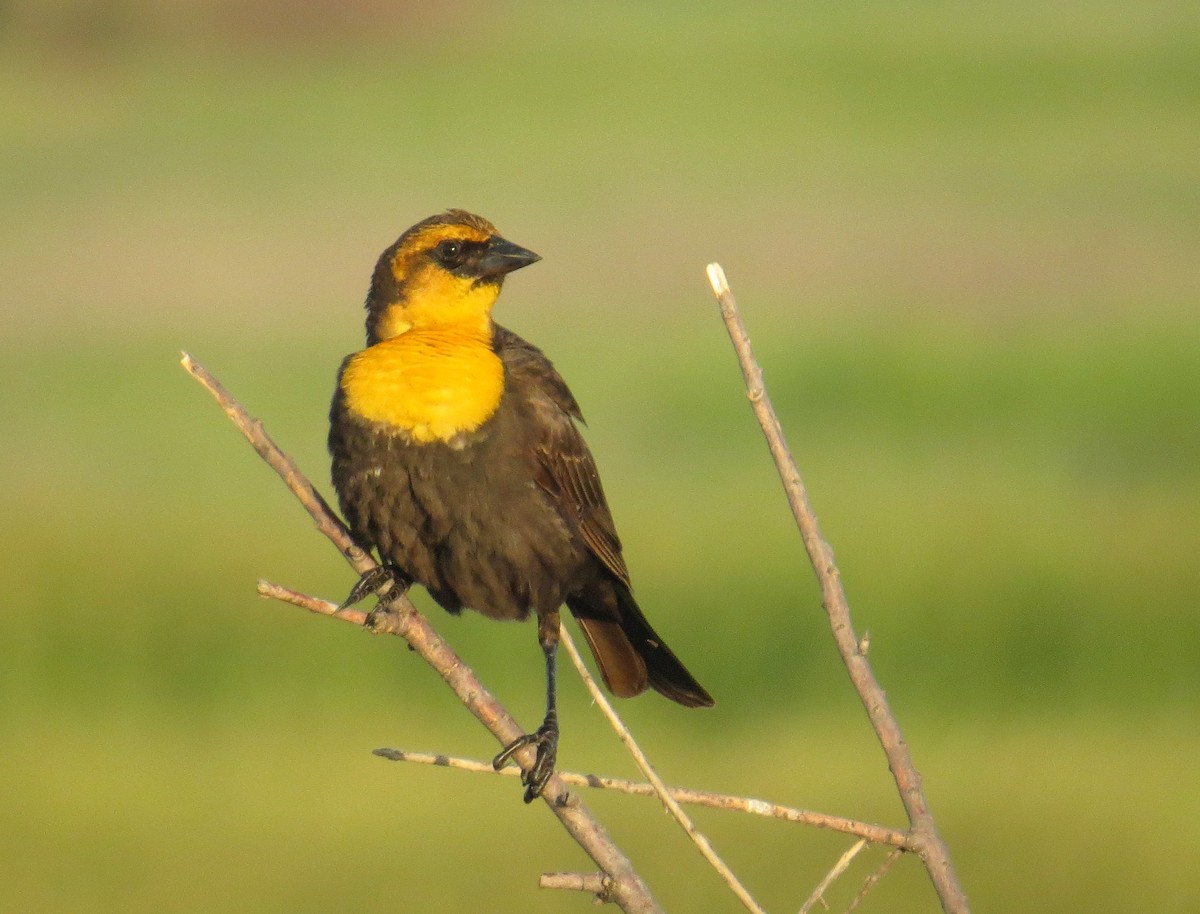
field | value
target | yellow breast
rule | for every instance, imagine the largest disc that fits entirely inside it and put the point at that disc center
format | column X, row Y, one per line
column 430, row 384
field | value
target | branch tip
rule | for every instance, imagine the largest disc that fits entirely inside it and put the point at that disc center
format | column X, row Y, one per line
column 716, row 279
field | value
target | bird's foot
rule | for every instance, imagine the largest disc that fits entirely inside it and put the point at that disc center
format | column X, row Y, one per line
column 535, row 778
column 376, row 581
column 368, row 583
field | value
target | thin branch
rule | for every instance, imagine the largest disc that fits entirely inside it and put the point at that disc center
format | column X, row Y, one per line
column 818, row 894
column 596, row 884
column 702, row 843
column 628, row 889
column 312, row 604
column 873, row 880
column 926, row 840
column 874, row 834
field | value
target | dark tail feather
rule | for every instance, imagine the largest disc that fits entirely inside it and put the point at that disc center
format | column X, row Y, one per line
column 623, row 670
column 630, row 654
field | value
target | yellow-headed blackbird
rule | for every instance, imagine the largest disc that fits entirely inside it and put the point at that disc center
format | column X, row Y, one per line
column 456, row 455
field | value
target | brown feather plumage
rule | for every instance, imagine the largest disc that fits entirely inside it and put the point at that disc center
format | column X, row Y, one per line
column 508, row 516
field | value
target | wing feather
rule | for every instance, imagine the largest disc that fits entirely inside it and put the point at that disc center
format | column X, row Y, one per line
column 567, row 471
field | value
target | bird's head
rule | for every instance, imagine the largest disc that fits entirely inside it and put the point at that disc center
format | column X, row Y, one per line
column 445, row 270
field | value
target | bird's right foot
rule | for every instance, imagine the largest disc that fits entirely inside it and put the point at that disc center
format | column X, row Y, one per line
column 546, row 741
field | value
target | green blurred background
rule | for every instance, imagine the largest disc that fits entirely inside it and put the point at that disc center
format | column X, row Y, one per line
column 965, row 238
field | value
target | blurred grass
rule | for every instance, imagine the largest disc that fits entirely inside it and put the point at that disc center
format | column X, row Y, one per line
column 964, row 239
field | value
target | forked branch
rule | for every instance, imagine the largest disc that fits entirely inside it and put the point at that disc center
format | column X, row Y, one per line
column 625, row 887
column 618, row 882
column 926, row 841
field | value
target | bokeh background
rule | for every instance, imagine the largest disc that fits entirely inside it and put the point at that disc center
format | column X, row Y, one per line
column 965, row 238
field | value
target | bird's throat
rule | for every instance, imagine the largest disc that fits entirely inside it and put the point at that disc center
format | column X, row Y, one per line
column 428, row 384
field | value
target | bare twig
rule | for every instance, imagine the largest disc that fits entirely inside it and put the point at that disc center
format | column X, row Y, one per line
column 628, row 889
column 664, row 794
column 926, row 840
column 593, row 883
column 312, row 604
column 873, row 879
column 874, row 834
column 818, row 894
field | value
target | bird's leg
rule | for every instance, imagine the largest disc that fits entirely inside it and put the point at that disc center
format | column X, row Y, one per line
column 546, row 736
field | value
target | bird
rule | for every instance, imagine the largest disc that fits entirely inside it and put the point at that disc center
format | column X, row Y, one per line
column 457, row 456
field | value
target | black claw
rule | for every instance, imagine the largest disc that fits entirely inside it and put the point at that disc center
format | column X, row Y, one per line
column 369, row 582
column 535, row 779
column 373, row 580
column 536, row 776
column 507, row 752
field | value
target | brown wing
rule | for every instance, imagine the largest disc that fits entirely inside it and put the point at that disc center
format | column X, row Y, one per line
column 572, row 479
column 629, row 652
column 567, row 471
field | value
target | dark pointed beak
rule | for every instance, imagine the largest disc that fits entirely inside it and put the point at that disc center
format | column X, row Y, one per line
column 502, row 256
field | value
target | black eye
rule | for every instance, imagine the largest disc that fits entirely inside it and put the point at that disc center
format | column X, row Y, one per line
column 450, row 253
